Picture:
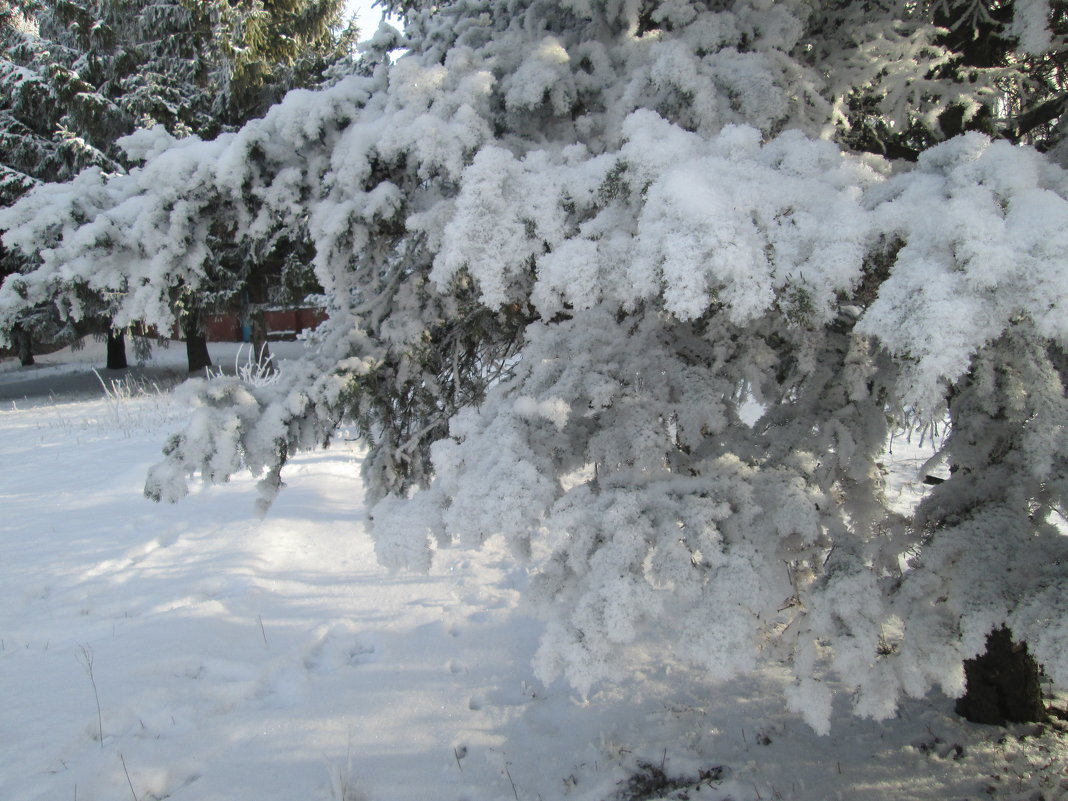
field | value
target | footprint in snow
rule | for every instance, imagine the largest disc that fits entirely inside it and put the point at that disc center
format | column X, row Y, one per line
column 362, row 653
column 339, row 648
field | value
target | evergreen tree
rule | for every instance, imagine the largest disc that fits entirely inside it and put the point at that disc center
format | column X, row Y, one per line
column 648, row 284
column 77, row 78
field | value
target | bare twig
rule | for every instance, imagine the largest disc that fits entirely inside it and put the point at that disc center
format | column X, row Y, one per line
column 509, row 775
column 128, row 781
column 86, row 661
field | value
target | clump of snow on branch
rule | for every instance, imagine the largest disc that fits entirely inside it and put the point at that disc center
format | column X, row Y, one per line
column 983, row 226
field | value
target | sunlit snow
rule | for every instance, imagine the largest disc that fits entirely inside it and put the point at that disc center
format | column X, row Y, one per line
column 239, row 658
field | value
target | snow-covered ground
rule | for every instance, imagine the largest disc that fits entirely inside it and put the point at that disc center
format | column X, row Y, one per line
column 198, row 652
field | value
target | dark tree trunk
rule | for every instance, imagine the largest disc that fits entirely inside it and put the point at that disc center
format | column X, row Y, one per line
column 196, row 346
column 116, row 350
column 253, row 301
column 1003, row 684
column 261, row 351
column 23, row 345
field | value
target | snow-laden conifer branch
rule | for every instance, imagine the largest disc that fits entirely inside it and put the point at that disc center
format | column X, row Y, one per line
column 600, row 284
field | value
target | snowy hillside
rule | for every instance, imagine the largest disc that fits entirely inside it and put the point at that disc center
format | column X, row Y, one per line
column 197, row 653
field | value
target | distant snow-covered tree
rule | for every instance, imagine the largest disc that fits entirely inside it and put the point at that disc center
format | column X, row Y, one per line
column 76, row 77
column 641, row 288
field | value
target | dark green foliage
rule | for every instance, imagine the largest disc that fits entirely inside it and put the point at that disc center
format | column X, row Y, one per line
column 1003, row 684
column 274, row 46
column 1025, row 92
column 77, row 76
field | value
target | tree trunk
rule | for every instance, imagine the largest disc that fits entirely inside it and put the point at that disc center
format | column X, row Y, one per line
column 1003, row 684
column 261, row 351
column 23, row 345
column 116, row 350
column 196, row 346
column 253, row 303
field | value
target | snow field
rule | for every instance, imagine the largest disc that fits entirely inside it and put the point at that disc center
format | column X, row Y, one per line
column 239, row 658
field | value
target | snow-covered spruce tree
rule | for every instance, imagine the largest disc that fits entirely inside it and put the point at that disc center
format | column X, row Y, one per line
column 77, row 77
column 53, row 122
column 640, row 287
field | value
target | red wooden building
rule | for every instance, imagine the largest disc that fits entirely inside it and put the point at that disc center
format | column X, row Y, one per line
column 280, row 324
